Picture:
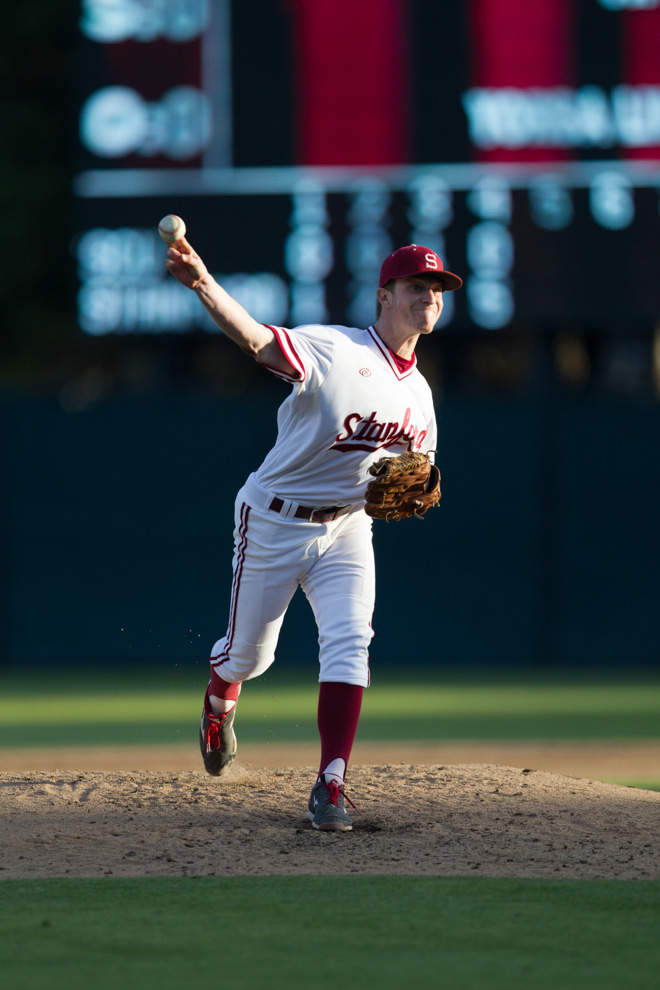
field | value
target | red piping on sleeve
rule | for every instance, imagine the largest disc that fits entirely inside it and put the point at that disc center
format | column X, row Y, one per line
column 289, row 352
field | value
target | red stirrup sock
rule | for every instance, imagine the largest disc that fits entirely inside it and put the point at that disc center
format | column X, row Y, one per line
column 338, row 717
column 222, row 689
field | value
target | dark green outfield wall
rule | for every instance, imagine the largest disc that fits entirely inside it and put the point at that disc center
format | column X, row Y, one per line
column 118, row 534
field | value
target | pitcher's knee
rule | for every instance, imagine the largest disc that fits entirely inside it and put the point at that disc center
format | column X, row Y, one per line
column 346, row 658
column 241, row 661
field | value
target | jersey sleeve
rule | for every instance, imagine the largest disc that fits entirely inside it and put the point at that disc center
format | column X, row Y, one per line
column 310, row 352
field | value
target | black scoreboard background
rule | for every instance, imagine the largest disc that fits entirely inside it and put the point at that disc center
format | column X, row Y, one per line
column 302, row 140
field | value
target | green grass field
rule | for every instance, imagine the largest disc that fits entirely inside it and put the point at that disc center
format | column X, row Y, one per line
column 316, row 932
column 139, row 708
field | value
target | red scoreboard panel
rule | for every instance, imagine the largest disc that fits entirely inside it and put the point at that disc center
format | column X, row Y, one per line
column 302, row 140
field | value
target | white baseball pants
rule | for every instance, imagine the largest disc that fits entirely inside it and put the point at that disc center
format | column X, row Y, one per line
column 333, row 562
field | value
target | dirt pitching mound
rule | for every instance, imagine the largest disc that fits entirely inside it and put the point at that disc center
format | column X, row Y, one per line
column 473, row 819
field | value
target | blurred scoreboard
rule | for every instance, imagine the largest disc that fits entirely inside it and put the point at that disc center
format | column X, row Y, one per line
column 303, row 141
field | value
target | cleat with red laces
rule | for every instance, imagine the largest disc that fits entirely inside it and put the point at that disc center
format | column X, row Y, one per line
column 326, row 807
column 217, row 740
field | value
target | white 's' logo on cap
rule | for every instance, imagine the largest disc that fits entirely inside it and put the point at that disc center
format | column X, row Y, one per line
column 431, row 261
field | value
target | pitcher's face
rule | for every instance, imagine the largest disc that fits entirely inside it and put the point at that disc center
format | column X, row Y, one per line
column 416, row 302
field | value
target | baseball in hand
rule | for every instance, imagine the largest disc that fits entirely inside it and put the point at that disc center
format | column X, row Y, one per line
column 171, row 228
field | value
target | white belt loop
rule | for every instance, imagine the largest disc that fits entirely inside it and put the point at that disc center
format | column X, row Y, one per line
column 288, row 508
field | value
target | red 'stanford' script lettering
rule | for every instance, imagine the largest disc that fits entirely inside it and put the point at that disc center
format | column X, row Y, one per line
column 370, row 433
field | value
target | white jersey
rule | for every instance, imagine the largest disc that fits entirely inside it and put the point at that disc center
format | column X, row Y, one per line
column 350, row 405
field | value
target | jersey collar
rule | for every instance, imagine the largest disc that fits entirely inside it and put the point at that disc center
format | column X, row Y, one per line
column 392, row 359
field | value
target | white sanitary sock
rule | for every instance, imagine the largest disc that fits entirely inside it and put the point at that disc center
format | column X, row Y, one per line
column 335, row 770
column 220, row 705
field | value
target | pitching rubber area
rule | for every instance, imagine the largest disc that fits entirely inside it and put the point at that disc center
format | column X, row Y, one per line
column 478, row 819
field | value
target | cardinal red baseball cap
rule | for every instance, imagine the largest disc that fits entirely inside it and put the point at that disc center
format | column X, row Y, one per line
column 417, row 260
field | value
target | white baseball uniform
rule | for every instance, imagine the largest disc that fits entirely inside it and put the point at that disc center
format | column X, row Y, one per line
column 352, row 402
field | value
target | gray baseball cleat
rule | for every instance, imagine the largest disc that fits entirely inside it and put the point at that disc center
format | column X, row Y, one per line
column 217, row 740
column 326, row 807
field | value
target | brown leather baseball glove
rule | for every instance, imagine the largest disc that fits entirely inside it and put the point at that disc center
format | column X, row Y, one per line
column 403, row 486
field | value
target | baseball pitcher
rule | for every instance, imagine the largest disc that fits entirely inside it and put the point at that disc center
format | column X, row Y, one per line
column 356, row 440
